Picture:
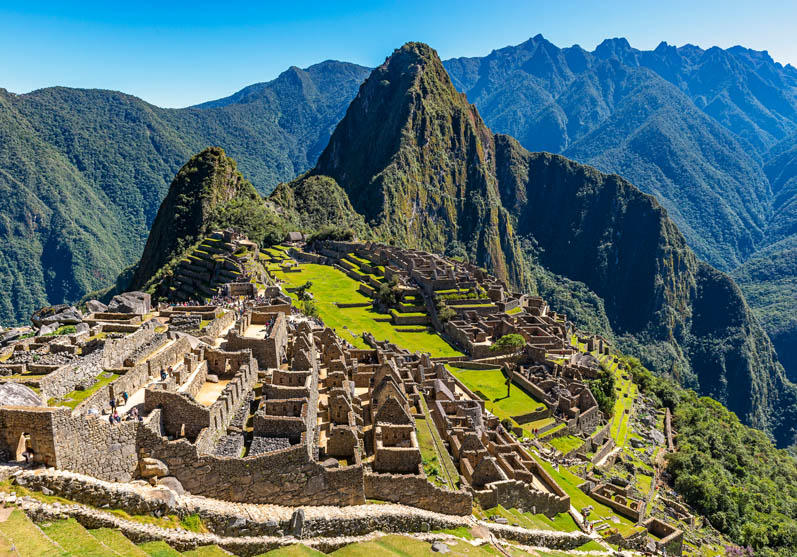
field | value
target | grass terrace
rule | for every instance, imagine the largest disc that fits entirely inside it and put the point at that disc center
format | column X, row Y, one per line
column 490, row 386
column 566, row 443
column 331, row 285
column 561, row 522
column 74, row 398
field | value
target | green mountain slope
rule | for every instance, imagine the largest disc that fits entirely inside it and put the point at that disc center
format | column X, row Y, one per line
column 83, row 172
column 418, row 163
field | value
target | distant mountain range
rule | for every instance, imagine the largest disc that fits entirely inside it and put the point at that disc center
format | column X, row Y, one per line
column 712, row 134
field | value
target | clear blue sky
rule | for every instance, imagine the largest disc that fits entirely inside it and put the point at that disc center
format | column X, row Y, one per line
column 176, row 54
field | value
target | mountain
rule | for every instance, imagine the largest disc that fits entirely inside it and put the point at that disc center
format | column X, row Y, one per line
column 422, row 168
column 83, row 172
column 208, row 193
column 711, row 133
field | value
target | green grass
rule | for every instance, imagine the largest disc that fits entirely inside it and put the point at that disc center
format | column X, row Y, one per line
column 118, row 542
column 295, row 550
column 75, row 539
column 159, row 549
column 331, row 285
column 74, row 398
column 569, row 482
column 28, row 540
column 490, row 384
column 206, row 551
column 561, row 522
column 591, row 545
column 566, row 443
column 438, row 467
column 514, row 311
column 395, row 545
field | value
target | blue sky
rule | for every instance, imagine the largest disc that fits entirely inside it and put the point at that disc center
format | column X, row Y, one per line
column 176, row 54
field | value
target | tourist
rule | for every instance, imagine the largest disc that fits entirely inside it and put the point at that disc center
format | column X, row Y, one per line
column 110, row 418
column 163, row 374
column 116, row 418
column 28, row 456
column 125, row 396
column 113, row 403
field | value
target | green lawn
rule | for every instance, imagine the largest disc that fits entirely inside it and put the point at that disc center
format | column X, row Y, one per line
column 206, row 551
column 116, row 540
column 490, row 384
column 75, row 539
column 295, row 550
column 27, row 538
column 331, row 285
column 569, row 482
column 566, row 443
column 562, row 521
column 74, row 398
column 438, row 467
column 395, row 545
column 159, row 549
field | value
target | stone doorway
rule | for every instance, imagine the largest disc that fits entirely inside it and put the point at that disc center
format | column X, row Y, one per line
column 22, row 446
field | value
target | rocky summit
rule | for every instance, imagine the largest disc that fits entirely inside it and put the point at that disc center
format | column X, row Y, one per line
column 433, row 333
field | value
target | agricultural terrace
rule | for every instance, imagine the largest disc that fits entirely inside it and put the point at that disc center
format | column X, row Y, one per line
column 490, row 386
column 331, row 286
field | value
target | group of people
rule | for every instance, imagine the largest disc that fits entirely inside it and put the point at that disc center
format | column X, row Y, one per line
column 132, row 415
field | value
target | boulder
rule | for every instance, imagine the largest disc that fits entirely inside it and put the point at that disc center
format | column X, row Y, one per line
column 49, row 328
column 131, row 302
column 95, row 306
column 15, row 394
column 331, row 463
column 172, row 483
column 13, row 334
column 212, row 378
column 440, row 547
column 163, row 496
column 69, row 316
column 152, row 467
column 81, row 328
column 38, row 316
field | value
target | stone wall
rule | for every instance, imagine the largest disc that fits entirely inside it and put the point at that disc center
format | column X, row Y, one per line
column 516, row 494
column 416, row 492
column 287, row 477
column 219, row 324
column 35, row 422
column 91, row 445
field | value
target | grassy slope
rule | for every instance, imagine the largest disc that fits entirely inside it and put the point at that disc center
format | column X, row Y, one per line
column 331, row 285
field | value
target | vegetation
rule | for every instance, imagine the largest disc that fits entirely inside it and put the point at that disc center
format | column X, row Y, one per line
column 332, row 285
column 603, row 390
column 508, row 343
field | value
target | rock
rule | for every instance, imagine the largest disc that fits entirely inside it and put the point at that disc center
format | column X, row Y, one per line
column 82, row 328
column 45, row 312
column 13, row 334
column 330, row 463
column 212, row 378
column 172, row 483
column 46, row 491
column 49, row 328
column 297, row 523
column 163, row 496
column 69, row 316
column 636, row 443
column 16, row 394
column 501, row 520
column 152, row 467
column 131, row 302
column 657, row 436
column 440, row 547
column 95, row 306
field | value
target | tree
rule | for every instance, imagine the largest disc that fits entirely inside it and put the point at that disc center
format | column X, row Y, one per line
column 508, row 343
column 445, row 313
column 303, row 291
